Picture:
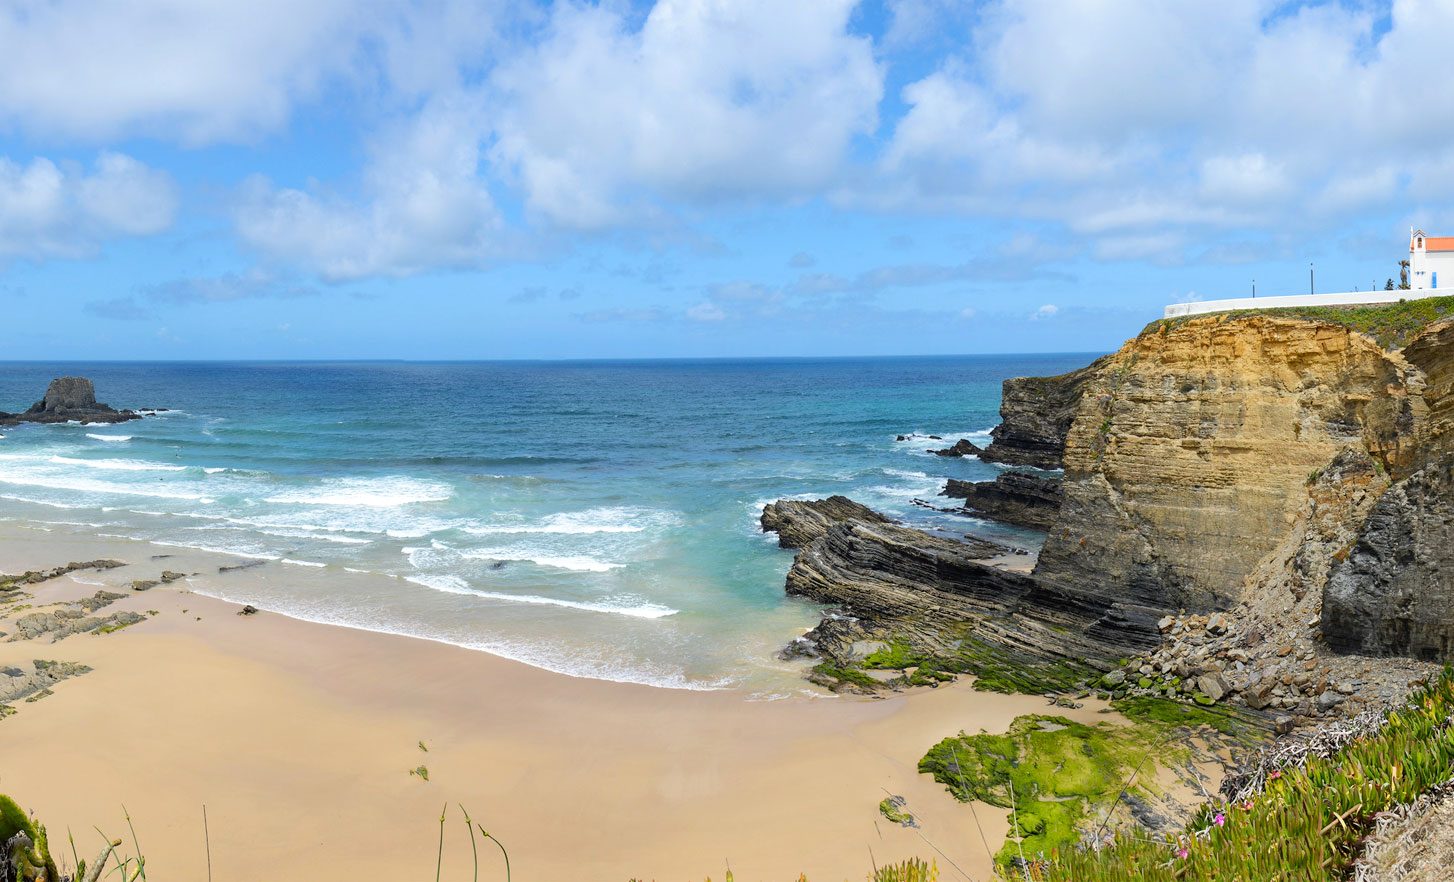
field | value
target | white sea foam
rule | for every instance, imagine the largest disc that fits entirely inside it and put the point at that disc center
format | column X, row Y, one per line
column 46, row 502
column 86, row 485
column 100, row 437
column 302, row 563
column 546, row 657
column 118, row 465
column 594, row 520
column 576, row 562
column 367, row 492
column 455, row 585
column 214, row 549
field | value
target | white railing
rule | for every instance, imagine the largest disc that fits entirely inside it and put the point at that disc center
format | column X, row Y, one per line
column 1354, row 298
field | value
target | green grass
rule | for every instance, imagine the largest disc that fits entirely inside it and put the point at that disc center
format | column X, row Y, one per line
column 1391, row 324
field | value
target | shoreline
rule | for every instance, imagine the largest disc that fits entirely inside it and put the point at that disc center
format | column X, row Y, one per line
column 299, row 738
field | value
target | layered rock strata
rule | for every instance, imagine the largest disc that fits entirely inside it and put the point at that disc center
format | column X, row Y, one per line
column 1019, row 498
column 798, row 522
column 1035, row 417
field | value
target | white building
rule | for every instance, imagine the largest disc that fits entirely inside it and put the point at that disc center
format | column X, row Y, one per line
column 1428, row 256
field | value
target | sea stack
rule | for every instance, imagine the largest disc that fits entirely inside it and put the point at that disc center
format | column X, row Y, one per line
column 67, row 399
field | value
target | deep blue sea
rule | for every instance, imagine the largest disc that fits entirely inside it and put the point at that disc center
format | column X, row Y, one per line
column 593, row 518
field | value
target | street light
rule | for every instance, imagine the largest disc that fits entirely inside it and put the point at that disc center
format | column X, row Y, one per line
column 1310, row 279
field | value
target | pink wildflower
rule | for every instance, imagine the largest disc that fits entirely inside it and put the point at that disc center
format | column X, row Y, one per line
column 1181, row 852
column 1219, row 819
column 1247, row 806
column 1274, row 774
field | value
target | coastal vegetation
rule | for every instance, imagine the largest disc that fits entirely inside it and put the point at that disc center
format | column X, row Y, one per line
column 1391, row 324
column 1307, row 822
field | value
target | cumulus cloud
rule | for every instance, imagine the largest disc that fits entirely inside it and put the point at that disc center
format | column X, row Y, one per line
column 1135, row 124
column 422, row 205
column 219, row 70
column 1047, row 311
column 707, row 99
column 64, row 210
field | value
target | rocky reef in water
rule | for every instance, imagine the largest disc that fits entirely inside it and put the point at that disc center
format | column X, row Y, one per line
column 1015, row 497
column 69, row 399
column 1291, row 474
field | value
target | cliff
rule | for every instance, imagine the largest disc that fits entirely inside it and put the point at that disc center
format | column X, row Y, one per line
column 1035, row 416
column 1296, row 470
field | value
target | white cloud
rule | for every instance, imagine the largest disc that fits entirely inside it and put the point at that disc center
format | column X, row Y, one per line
column 50, row 210
column 709, row 99
column 200, row 71
column 1047, row 311
column 423, row 205
column 706, row 312
column 1141, row 126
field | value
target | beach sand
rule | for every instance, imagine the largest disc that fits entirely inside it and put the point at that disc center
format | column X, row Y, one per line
column 299, row 738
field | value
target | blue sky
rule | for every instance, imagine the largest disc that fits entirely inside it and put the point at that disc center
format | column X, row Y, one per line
column 448, row 179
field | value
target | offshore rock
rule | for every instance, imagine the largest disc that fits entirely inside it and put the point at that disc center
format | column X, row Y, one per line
column 67, row 399
column 962, row 447
column 798, row 522
column 1035, row 416
column 1018, row 498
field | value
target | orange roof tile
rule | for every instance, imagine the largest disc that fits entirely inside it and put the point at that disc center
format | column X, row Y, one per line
column 1439, row 243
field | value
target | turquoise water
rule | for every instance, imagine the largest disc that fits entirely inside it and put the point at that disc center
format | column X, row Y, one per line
column 593, row 518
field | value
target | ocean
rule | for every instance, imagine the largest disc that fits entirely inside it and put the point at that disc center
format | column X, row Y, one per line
column 597, row 519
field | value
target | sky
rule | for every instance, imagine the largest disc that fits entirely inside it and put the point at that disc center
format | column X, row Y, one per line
column 478, row 179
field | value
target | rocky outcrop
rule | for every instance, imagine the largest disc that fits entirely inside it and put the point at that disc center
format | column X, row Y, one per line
column 1392, row 593
column 882, row 571
column 67, row 399
column 798, row 522
column 886, row 581
column 1019, row 498
column 962, row 447
column 1035, row 417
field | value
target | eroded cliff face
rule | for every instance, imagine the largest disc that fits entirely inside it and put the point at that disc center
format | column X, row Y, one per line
column 1035, row 415
column 1193, row 448
column 1292, row 471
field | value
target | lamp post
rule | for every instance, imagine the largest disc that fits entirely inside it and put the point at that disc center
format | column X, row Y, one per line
column 1310, row 280
column 1254, row 289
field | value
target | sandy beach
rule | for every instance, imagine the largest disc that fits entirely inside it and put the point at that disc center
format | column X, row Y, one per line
column 299, row 739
